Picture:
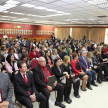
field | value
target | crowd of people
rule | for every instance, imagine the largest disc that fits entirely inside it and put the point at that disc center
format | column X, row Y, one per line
column 70, row 60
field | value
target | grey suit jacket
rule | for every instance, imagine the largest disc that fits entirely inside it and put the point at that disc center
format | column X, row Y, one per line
column 6, row 87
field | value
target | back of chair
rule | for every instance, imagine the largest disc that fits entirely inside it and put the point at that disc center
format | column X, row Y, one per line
column 34, row 63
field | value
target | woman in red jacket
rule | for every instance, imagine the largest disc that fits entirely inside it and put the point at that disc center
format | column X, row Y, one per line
column 33, row 53
column 78, row 71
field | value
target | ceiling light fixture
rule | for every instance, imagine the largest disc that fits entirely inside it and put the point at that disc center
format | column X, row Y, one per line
column 12, row 2
column 28, row 5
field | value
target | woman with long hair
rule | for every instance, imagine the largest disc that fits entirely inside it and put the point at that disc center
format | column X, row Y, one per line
column 54, row 55
column 11, row 66
column 68, row 68
column 61, row 76
column 34, row 53
column 95, row 66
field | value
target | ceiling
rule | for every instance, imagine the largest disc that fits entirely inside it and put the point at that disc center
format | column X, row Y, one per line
column 55, row 12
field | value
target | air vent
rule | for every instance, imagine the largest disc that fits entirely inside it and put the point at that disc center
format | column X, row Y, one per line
column 102, row 16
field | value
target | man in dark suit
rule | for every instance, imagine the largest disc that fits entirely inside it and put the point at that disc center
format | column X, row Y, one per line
column 40, row 73
column 6, row 91
column 19, row 36
column 53, row 37
column 73, row 47
column 63, row 53
column 86, row 68
column 25, row 90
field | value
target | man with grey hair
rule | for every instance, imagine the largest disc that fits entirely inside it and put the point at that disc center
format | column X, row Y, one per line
column 40, row 73
column 86, row 68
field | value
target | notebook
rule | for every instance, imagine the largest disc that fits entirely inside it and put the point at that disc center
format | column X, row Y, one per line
column 51, row 81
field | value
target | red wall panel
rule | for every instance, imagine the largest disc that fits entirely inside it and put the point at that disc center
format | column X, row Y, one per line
column 26, row 27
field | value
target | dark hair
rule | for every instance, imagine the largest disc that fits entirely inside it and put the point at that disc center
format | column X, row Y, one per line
column 74, row 55
column 8, row 58
column 22, row 49
column 23, row 56
column 32, row 49
column 20, row 64
column 46, row 51
column 56, row 59
column 63, row 48
column 11, row 49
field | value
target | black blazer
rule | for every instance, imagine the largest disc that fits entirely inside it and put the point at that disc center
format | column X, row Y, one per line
column 57, row 73
column 62, row 55
column 47, row 59
column 41, row 53
column 39, row 76
column 67, row 68
column 73, row 48
column 20, row 86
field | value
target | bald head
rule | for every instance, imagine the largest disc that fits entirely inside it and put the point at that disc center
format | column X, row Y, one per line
column 42, row 61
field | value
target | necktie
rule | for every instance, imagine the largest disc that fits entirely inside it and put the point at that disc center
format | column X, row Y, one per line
column 1, row 100
column 25, row 79
column 46, row 74
column 86, row 63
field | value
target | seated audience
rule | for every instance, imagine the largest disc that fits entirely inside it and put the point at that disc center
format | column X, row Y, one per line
column 22, row 51
column 94, row 65
column 25, row 90
column 12, row 51
column 33, row 53
column 86, row 68
column 48, row 58
column 4, row 53
column 102, row 65
column 25, row 59
column 61, row 76
column 46, row 46
column 6, row 91
column 70, row 54
column 68, row 68
column 54, row 55
column 77, row 69
column 40, row 74
column 63, row 53
column 17, row 50
column 11, row 66
column 41, row 52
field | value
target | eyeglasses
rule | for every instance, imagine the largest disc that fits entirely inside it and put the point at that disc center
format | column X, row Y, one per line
column 42, row 61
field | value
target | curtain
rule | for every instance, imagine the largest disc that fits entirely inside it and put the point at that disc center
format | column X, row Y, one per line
column 78, row 33
column 62, row 33
column 95, row 34
column 106, row 36
column 98, row 35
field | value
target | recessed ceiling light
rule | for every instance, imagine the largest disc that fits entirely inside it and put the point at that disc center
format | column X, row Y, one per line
column 5, row 11
column 92, row 19
column 12, row 2
column 5, row 16
column 28, row 5
column 40, row 8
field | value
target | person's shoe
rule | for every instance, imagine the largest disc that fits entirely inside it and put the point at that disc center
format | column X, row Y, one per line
column 89, row 87
column 99, row 81
column 84, row 89
column 60, row 105
column 70, row 100
column 67, row 100
column 94, row 84
column 77, row 96
column 106, row 79
column 103, row 79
